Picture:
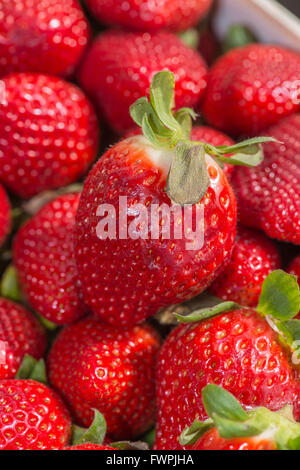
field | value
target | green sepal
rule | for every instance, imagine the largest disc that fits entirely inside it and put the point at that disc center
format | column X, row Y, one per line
column 33, row 369
column 219, row 402
column 280, row 296
column 193, row 433
column 49, row 325
column 162, row 99
column 9, row 287
column 190, row 37
column 290, row 334
column 209, row 312
column 149, row 437
column 127, row 445
column 95, row 434
column 238, row 36
column 188, row 178
column 248, row 146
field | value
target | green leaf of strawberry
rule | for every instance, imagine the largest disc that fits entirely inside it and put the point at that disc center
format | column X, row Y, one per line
column 95, row 434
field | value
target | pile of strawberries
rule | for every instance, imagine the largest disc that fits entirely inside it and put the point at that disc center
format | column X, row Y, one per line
column 114, row 336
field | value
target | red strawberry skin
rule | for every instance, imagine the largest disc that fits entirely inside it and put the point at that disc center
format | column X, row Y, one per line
column 268, row 196
column 294, row 267
column 127, row 280
column 249, row 89
column 47, row 37
column 96, row 366
column 212, row 441
column 5, row 216
column 147, row 15
column 89, row 447
column 20, row 334
column 44, row 258
column 32, row 417
column 119, row 67
column 53, row 125
column 254, row 257
column 237, row 351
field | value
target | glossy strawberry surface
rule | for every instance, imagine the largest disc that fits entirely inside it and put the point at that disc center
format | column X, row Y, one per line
column 5, row 216
column 32, row 417
column 149, row 15
column 119, row 67
column 96, row 366
column 212, row 441
column 20, row 334
column 128, row 278
column 251, row 88
column 47, row 36
column 238, row 351
column 268, row 196
column 49, row 133
column 44, row 258
column 254, row 257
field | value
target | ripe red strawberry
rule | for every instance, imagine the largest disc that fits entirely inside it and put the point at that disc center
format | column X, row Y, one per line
column 147, row 15
column 252, row 429
column 203, row 134
column 47, row 37
column 32, row 417
column 119, row 67
column 294, row 267
column 44, row 258
column 49, row 134
column 89, row 447
column 96, row 366
column 251, row 88
column 254, row 257
column 237, row 350
column 5, row 217
column 20, row 334
column 268, row 196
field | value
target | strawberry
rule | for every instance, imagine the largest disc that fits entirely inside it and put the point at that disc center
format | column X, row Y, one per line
column 20, row 334
column 251, row 88
column 233, row 347
column 147, row 15
column 230, row 427
column 49, row 133
column 254, row 257
column 47, row 37
column 294, row 267
column 96, row 366
column 138, row 260
column 268, row 196
column 44, row 258
column 200, row 133
column 119, row 67
column 5, row 217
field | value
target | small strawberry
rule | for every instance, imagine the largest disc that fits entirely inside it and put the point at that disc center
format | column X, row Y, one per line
column 20, row 334
column 49, row 133
column 254, row 257
column 32, row 416
column 251, row 88
column 203, row 134
column 268, row 196
column 238, row 350
column 96, row 366
column 119, row 67
column 147, row 15
column 47, row 37
column 141, row 262
column 44, row 258
column 5, row 217
column 230, row 427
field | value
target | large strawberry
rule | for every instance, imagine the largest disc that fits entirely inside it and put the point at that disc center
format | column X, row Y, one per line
column 96, row 366
column 251, row 88
column 5, row 217
column 119, row 67
column 20, row 334
column 47, row 37
column 44, row 258
column 32, row 416
column 147, row 15
column 254, row 257
column 137, row 259
column 230, row 427
column 238, row 350
column 269, row 196
column 49, row 133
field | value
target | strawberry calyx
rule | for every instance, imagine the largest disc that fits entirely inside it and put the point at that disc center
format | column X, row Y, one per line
column 33, row 369
column 232, row 421
column 188, row 178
